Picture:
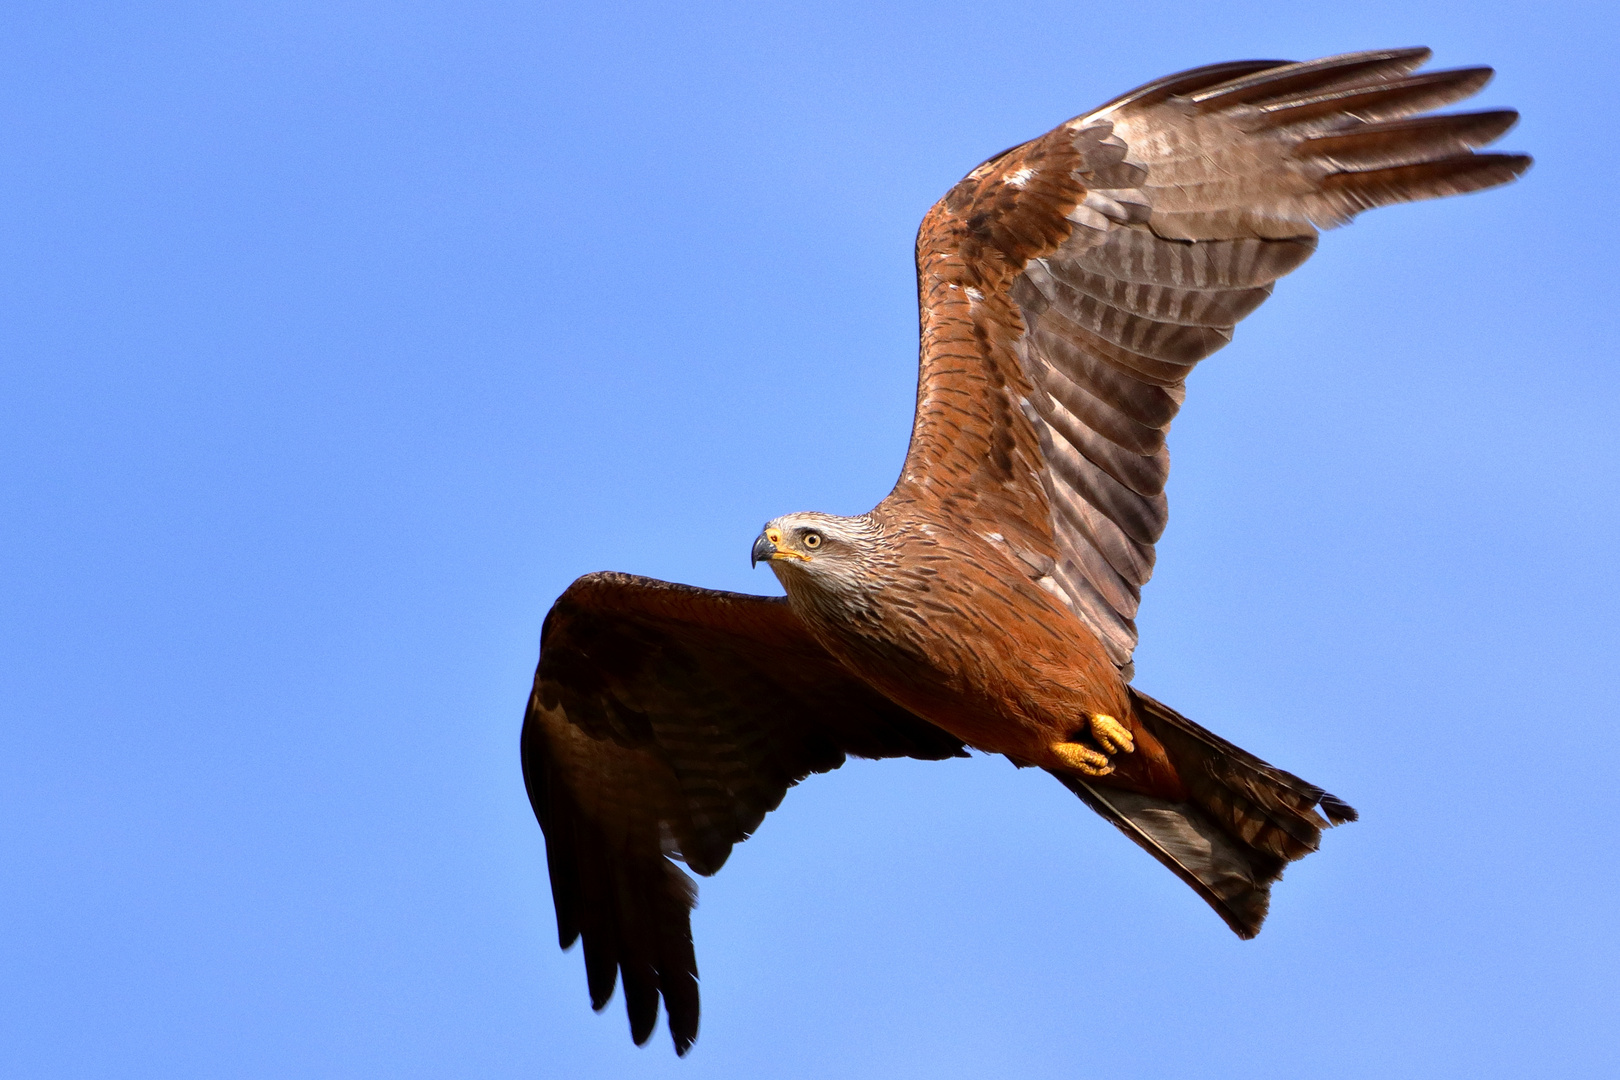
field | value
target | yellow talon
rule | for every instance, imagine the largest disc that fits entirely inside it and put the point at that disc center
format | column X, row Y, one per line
column 1083, row 758
column 1111, row 735
column 1108, row 733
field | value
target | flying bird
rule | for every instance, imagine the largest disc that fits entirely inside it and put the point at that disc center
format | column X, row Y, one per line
column 1067, row 287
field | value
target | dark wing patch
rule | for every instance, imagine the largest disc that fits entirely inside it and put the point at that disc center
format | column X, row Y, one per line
column 1070, row 284
column 666, row 722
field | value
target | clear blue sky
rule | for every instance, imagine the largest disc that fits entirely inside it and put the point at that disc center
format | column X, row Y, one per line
column 339, row 337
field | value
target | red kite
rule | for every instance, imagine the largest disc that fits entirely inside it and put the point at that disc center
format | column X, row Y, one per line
column 1067, row 287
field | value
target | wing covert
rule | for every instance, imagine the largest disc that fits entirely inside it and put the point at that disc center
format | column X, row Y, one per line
column 666, row 721
column 1069, row 285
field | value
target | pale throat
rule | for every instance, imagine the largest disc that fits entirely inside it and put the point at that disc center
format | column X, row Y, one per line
column 836, row 597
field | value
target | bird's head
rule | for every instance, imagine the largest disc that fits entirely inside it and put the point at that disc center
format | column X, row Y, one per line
column 820, row 548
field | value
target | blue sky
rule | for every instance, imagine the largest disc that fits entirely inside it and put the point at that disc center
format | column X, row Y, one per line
column 340, row 337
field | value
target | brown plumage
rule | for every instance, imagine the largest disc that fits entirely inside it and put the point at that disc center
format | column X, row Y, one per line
column 1067, row 287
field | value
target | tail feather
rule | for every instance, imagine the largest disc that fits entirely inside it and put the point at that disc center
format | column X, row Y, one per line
column 1242, row 823
column 1233, row 880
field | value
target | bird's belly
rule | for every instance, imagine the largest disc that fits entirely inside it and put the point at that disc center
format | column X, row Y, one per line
column 995, row 690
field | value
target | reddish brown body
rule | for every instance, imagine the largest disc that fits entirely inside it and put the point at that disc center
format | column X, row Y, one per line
column 962, row 637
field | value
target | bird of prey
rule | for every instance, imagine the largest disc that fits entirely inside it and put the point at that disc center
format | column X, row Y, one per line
column 1067, row 287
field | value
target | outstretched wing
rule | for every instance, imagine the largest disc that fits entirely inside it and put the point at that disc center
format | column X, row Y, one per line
column 666, row 722
column 1070, row 284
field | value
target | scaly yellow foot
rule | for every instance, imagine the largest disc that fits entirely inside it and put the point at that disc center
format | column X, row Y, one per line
column 1083, row 758
column 1108, row 733
column 1111, row 735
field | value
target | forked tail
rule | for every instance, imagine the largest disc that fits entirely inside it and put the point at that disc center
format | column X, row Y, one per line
column 1242, row 823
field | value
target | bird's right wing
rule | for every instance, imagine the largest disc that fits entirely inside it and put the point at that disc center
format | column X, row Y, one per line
column 666, row 722
column 1070, row 284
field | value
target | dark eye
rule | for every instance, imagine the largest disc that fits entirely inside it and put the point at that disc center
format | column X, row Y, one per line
column 812, row 539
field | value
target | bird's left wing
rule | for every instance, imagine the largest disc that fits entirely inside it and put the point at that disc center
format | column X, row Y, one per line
column 1070, row 284
column 666, row 722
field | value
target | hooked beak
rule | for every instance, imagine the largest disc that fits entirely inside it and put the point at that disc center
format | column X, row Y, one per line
column 765, row 549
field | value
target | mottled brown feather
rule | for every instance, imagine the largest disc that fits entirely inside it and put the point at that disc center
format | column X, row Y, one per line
column 1056, row 302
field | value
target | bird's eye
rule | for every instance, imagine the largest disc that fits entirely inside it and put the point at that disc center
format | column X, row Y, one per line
column 812, row 540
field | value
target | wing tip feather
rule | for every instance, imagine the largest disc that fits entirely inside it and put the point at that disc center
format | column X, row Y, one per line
column 1337, row 810
column 1191, row 80
column 1370, row 66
